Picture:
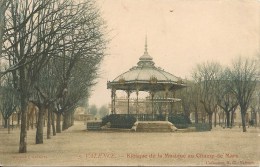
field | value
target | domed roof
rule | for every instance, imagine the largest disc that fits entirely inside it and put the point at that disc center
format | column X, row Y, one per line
column 146, row 73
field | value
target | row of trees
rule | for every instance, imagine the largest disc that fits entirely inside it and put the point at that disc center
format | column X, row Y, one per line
column 215, row 86
column 51, row 52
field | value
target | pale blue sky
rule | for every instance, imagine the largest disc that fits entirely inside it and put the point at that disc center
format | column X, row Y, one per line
column 181, row 33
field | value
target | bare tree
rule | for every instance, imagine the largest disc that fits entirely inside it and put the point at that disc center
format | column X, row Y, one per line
column 23, row 37
column 243, row 76
column 3, row 6
column 36, row 31
column 253, row 108
column 44, row 97
column 258, row 106
column 75, row 63
column 78, row 63
column 226, row 98
column 208, row 75
column 9, row 99
column 258, row 90
column 258, row 66
column 195, row 101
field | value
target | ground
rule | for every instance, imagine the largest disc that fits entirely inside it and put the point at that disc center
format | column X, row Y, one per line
column 76, row 146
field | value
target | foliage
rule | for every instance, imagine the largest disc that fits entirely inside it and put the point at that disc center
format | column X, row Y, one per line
column 93, row 110
column 186, row 98
column 103, row 111
column 180, row 120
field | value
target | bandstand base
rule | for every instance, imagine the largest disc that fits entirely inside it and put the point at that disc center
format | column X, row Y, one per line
column 153, row 126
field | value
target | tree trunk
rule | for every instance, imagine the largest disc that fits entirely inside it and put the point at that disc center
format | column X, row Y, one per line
column 65, row 122
column 219, row 119
column 210, row 115
column 36, row 117
column 196, row 117
column 72, row 118
column 256, row 119
column 23, row 97
column 32, row 119
column 243, row 116
column 69, row 120
column 259, row 116
column 48, row 123
column 223, row 119
column 228, row 119
column 23, row 132
column 44, row 120
column 28, row 121
column 6, row 123
column 232, row 118
column 18, row 118
column 12, row 122
column 58, row 119
column 53, row 124
column 215, row 119
column 39, row 131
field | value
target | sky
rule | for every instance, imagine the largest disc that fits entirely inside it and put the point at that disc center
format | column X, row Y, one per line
column 180, row 35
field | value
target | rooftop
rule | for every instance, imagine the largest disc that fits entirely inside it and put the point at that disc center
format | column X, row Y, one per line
column 146, row 73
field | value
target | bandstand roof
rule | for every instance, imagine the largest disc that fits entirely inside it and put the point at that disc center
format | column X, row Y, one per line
column 146, row 77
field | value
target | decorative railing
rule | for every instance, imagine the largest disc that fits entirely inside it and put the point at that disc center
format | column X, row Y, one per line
column 148, row 100
column 128, row 120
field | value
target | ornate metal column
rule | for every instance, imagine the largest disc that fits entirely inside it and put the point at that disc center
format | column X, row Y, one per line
column 152, row 93
column 128, row 97
column 113, row 101
column 137, row 106
column 166, row 107
column 172, row 102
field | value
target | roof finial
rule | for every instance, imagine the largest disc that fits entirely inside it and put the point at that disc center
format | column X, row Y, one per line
column 145, row 51
column 146, row 56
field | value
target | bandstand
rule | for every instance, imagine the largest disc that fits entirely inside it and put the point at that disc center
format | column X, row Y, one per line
column 148, row 78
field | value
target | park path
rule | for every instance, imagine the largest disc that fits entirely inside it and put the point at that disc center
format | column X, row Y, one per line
column 76, row 146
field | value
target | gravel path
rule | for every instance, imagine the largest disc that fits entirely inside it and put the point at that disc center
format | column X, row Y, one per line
column 221, row 147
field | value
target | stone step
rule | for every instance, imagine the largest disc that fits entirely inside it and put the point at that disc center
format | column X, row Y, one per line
column 153, row 126
column 153, row 130
column 157, row 127
column 93, row 125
